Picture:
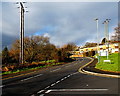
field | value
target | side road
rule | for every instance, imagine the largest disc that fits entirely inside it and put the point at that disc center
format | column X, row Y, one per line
column 90, row 69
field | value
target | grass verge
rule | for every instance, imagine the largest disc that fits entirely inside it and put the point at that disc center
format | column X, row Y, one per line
column 106, row 66
column 26, row 69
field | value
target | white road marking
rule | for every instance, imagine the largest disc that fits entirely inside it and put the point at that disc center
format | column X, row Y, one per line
column 74, row 90
column 62, row 79
column 40, row 91
column 65, row 77
column 2, row 86
column 32, row 77
column 27, row 79
column 56, row 83
column 68, row 75
column 42, row 94
column 53, row 84
column 48, row 91
column 38, row 75
column 55, row 70
column 47, row 87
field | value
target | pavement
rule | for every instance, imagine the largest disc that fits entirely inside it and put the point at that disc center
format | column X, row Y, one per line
column 63, row 80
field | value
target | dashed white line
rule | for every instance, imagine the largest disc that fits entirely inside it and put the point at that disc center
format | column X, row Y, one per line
column 56, row 83
column 38, row 75
column 47, row 87
column 53, row 84
column 68, row 75
column 55, row 70
column 32, row 77
column 27, row 79
column 62, row 79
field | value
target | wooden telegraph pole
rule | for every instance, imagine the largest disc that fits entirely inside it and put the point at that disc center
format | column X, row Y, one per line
column 21, row 33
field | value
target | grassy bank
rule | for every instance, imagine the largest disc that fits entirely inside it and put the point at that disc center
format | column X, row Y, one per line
column 106, row 66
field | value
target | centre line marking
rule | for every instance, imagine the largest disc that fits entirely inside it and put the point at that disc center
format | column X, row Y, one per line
column 53, row 84
column 32, row 77
column 55, row 70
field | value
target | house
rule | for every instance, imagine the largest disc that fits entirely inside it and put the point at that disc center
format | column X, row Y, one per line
column 102, row 49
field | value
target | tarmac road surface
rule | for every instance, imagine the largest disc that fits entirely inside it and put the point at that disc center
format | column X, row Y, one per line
column 62, row 80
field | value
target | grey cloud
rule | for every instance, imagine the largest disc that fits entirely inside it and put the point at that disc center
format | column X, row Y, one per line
column 71, row 22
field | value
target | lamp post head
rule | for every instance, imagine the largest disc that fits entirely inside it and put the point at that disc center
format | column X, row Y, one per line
column 104, row 22
column 108, row 20
column 96, row 19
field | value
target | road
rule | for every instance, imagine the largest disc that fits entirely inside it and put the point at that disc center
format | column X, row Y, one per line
column 62, row 80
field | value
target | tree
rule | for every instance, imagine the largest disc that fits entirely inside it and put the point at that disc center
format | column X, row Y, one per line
column 36, row 48
column 5, row 56
column 116, row 36
column 15, row 51
column 64, row 51
column 88, row 44
column 70, row 47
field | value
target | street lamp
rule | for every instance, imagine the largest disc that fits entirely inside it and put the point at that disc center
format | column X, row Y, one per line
column 107, row 29
column 97, row 39
column 106, row 23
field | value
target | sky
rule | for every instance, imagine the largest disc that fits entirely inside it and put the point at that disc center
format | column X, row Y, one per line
column 62, row 22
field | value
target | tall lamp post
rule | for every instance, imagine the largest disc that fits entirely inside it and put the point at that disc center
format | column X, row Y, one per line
column 107, row 29
column 97, row 39
column 106, row 23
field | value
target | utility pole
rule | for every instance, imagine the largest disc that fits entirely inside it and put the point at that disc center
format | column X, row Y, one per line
column 21, row 33
column 97, row 39
column 107, row 29
column 22, row 11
